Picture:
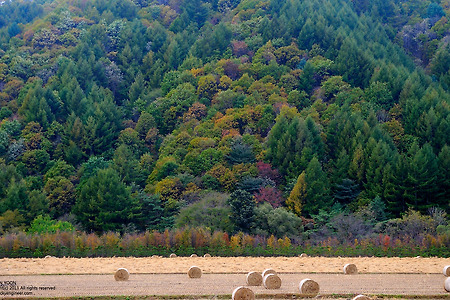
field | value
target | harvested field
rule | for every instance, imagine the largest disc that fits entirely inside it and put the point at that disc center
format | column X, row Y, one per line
column 164, row 277
column 180, row 265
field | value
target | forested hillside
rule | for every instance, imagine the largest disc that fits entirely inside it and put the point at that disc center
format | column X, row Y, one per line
column 306, row 119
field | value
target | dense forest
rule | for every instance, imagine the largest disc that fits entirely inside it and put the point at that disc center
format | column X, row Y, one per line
column 306, row 119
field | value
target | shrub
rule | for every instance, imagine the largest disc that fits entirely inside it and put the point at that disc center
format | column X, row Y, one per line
column 278, row 222
column 212, row 204
column 46, row 225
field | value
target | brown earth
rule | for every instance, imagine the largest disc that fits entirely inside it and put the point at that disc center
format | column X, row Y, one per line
column 151, row 265
column 168, row 277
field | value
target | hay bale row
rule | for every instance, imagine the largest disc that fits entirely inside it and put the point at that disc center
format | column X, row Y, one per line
column 173, row 255
column 271, row 280
column 122, row 274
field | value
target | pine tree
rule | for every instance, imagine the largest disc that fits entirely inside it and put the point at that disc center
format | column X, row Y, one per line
column 243, row 210
column 444, row 178
column 422, row 179
column 104, row 202
column 317, row 188
column 357, row 165
column 346, row 191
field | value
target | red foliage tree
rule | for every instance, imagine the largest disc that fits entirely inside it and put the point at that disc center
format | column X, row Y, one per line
column 239, row 48
column 271, row 195
column 231, row 69
column 265, row 171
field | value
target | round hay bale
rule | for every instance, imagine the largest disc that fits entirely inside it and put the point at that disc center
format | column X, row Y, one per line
column 308, row 287
column 194, row 272
column 194, row 255
column 303, row 255
column 447, row 284
column 272, row 282
column 254, row 278
column 121, row 274
column 361, row 297
column 173, row 255
column 243, row 293
column 207, row 255
column 446, row 271
column 350, row 269
column 268, row 271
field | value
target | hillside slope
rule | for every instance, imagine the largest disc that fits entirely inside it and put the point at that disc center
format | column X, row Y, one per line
column 269, row 117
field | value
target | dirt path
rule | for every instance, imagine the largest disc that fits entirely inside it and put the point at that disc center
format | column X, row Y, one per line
column 210, row 285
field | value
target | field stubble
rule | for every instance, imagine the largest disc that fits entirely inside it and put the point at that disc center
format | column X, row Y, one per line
column 166, row 278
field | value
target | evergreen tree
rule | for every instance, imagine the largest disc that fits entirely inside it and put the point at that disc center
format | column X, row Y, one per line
column 444, row 178
column 240, row 153
column 317, row 188
column 104, row 202
column 346, row 192
column 151, row 214
column 242, row 210
column 422, row 179
column 354, row 64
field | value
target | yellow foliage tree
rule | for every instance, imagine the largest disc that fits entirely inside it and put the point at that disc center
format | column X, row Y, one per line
column 297, row 196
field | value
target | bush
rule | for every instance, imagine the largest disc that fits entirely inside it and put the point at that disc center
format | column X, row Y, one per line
column 212, row 211
column 46, row 225
column 278, row 222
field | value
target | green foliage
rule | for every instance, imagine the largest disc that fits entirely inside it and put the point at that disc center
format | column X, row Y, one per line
column 201, row 162
column 242, row 210
column 44, row 224
column 11, row 220
column 151, row 213
column 92, row 166
column 104, row 203
column 317, row 188
column 211, row 211
column 277, row 221
column 166, row 166
column 413, row 224
column 241, row 153
column 60, row 194
column 379, row 95
column 292, row 143
column 60, row 168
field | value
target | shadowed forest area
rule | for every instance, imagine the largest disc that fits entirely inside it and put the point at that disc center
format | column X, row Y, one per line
column 282, row 123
